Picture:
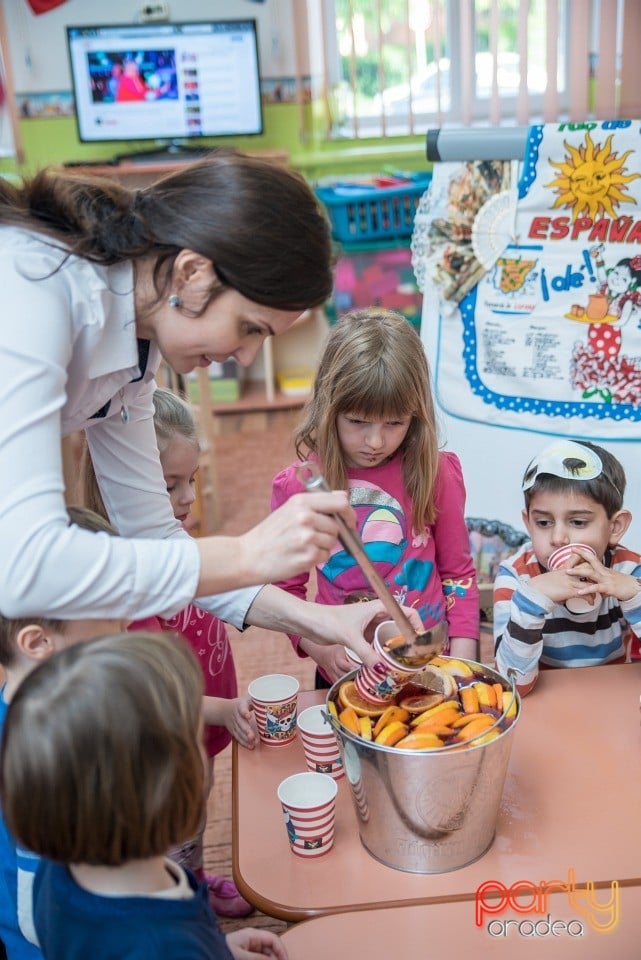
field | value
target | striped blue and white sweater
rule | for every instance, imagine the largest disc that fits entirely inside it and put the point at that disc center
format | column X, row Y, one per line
column 529, row 628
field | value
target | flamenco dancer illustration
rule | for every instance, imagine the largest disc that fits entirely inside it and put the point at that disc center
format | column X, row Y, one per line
column 599, row 368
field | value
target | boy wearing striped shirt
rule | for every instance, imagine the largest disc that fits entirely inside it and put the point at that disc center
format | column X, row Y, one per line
column 573, row 495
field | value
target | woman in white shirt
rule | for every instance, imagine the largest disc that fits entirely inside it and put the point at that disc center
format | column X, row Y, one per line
column 98, row 284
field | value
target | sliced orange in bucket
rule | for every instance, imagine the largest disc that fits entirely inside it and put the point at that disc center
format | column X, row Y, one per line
column 349, row 719
column 348, row 696
column 419, row 741
column 421, row 702
column 390, row 714
column 391, row 734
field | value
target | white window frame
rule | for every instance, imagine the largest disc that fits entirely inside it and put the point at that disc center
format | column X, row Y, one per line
column 478, row 108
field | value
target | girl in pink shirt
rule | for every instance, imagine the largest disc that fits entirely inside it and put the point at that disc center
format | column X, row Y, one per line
column 371, row 425
column 225, row 714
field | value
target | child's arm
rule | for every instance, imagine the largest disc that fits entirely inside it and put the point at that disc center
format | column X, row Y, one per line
column 465, row 647
column 331, row 659
column 250, row 942
column 608, row 581
column 454, row 560
column 520, row 612
column 233, row 714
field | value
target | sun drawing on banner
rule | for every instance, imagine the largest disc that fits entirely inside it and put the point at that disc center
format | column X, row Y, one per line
column 591, row 179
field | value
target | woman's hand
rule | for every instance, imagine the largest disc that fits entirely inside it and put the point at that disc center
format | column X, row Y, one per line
column 354, row 624
column 297, row 536
column 294, row 538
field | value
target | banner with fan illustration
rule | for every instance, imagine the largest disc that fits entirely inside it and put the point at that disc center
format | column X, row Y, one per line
column 538, row 270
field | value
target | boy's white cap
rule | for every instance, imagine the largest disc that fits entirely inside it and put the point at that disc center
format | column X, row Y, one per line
column 566, row 459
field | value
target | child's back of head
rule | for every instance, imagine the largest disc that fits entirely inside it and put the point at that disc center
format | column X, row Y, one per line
column 109, row 730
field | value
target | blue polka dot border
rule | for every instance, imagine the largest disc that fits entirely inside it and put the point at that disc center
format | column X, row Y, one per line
column 550, row 408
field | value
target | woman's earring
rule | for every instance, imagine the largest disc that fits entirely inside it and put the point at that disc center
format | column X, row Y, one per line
column 175, row 301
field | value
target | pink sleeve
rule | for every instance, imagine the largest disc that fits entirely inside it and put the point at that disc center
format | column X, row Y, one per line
column 149, row 623
column 284, row 485
column 452, row 544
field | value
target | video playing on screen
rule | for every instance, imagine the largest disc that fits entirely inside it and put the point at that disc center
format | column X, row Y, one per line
column 166, row 81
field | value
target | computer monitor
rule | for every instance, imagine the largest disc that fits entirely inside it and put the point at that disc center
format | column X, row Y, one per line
column 167, row 82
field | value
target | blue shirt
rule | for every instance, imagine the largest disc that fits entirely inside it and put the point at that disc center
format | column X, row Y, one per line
column 74, row 924
column 17, row 871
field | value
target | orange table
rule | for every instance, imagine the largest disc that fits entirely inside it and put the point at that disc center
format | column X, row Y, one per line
column 448, row 930
column 571, row 802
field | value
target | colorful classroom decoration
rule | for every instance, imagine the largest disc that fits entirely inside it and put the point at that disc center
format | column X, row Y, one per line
column 538, row 271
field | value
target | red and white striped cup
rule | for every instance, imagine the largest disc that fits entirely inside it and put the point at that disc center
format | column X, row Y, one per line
column 557, row 560
column 322, row 752
column 275, row 699
column 382, row 687
column 309, row 804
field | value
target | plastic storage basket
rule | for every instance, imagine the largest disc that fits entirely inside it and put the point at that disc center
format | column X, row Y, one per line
column 359, row 212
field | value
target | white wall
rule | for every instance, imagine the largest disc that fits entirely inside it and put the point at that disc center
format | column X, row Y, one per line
column 38, row 43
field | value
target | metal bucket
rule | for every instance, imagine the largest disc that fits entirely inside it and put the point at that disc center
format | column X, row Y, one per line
column 427, row 811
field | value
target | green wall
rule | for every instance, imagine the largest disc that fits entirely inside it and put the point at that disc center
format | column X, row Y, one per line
column 55, row 141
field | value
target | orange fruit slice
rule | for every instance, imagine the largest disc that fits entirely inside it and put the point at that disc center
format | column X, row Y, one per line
column 421, row 702
column 437, row 730
column 486, row 693
column 419, row 741
column 462, row 721
column 390, row 714
column 349, row 719
column 471, row 729
column 509, row 704
column 444, row 718
column 348, row 696
column 469, row 699
column 365, row 724
column 457, row 668
column 391, row 734
column 436, row 680
column 444, row 706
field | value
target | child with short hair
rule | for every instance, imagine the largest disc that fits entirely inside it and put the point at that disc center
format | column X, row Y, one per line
column 370, row 424
column 101, row 772
column 225, row 713
column 573, row 495
column 24, row 644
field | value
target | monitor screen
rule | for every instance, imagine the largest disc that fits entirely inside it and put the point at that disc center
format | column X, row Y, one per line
column 166, row 81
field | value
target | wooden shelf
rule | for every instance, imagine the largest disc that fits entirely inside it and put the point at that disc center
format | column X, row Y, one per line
column 152, row 169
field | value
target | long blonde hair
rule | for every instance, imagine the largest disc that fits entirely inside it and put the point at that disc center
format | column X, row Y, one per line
column 374, row 364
